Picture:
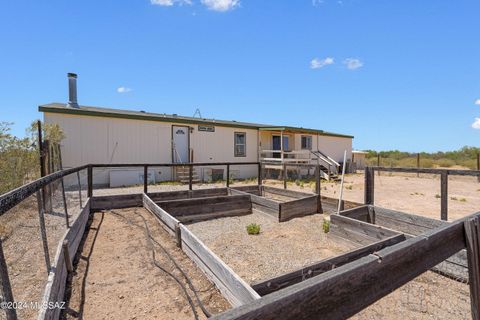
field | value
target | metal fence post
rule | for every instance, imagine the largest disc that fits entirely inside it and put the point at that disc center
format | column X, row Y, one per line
column 284, row 176
column 65, row 207
column 145, row 179
column 444, row 196
column 90, row 181
column 260, row 178
column 190, row 177
column 228, row 175
column 11, row 313
column 478, row 165
column 43, row 231
column 79, row 189
column 369, row 185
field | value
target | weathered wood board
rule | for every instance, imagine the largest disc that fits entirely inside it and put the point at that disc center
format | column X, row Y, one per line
column 355, row 233
column 298, row 208
column 169, row 223
column 186, row 194
column 116, row 201
column 57, row 278
column 237, row 291
column 271, row 285
column 198, row 209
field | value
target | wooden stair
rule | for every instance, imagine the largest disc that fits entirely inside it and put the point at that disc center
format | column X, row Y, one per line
column 182, row 174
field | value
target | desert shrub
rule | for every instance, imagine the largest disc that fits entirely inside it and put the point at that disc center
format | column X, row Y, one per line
column 326, row 225
column 253, row 229
column 445, row 163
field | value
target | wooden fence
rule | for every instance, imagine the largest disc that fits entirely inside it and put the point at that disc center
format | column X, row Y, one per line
column 369, row 197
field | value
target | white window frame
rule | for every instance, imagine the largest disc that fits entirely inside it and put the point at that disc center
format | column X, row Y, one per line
column 235, row 144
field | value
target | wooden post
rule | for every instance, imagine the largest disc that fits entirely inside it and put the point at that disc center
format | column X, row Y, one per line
column 260, row 173
column 418, row 164
column 43, row 231
column 228, row 175
column 190, row 177
column 284, row 176
column 79, row 189
column 40, row 149
column 478, row 165
column 90, row 181
column 472, row 236
column 444, row 195
column 378, row 162
column 11, row 313
column 369, row 185
column 66, row 256
column 145, row 179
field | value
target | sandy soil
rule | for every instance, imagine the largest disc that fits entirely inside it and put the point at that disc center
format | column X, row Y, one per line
column 279, row 248
column 115, row 277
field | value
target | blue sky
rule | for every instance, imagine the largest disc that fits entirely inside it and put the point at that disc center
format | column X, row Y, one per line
column 395, row 74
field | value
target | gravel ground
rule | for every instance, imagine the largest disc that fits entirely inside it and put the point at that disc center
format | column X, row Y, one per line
column 279, row 248
column 115, row 278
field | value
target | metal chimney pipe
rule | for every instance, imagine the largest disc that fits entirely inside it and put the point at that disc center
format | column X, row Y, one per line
column 72, row 90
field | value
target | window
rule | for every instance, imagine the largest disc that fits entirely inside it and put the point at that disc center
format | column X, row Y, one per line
column 240, row 144
column 307, row 142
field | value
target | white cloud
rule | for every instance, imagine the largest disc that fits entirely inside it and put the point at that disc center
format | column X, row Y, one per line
column 221, row 5
column 352, row 63
column 477, row 102
column 476, row 123
column 320, row 63
column 123, row 89
column 169, row 3
column 317, row 3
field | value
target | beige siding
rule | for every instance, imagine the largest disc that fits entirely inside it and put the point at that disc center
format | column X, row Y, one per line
column 335, row 147
column 112, row 140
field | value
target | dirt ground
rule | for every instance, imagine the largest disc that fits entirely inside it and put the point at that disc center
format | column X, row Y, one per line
column 115, row 277
column 279, row 248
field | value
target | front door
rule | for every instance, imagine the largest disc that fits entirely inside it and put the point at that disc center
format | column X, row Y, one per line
column 276, row 145
column 180, row 144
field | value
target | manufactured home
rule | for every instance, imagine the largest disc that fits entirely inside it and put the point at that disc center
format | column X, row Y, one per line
column 103, row 135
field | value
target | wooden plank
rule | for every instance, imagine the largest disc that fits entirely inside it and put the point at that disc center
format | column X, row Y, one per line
column 288, row 279
column 298, row 208
column 287, row 193
column 359, row 213
column 168, row 195
column 473, row 173
column 371, row 278
column 472, row 234
column 57, row 279
column 208, row 216
column 239, row 292
column 7, row 294
column 259, row 200
column 364, row 228
column 116, row 201
column 249, row 189
column 170, row 223
column 218, row 204
column 405, row 222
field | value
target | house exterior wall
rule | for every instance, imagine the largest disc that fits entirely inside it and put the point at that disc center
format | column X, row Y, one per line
column 91, row 139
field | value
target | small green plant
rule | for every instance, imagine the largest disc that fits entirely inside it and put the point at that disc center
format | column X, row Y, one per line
column 463, row 200
column 437, row 196
column 253, row 228
column 454, row 198
column 326, row 225
column 350, row 187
